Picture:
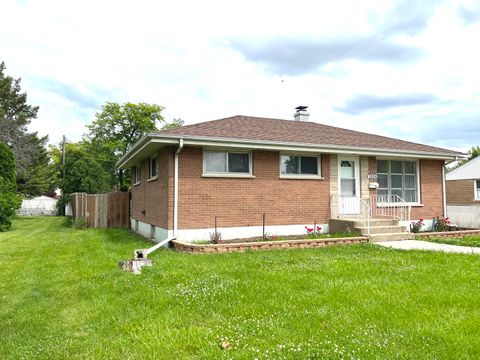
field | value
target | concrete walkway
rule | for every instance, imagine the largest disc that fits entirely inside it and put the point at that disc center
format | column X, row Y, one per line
column 425, row 245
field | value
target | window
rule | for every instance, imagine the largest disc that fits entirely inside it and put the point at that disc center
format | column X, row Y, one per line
column 225, row 162
column 397, row 179
column 477, row 189
column 153, row 167
column 299, row 165
column 138, row 174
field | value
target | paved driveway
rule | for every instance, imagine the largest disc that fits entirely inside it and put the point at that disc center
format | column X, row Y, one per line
column 425, row 245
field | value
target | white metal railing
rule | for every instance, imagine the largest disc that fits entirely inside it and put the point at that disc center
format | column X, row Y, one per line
column 353, row 208
column 363, row 210
column 390, row 206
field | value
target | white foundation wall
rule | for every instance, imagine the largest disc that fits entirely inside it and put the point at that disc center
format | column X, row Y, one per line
column 464, row 215
column 193, row 235
column 151, row 232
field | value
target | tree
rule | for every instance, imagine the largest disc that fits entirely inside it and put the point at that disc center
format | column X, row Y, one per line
column 83, row 173
column 472, row 153
column 28, row 149
column 37, row 177
column 9, row 200
column 116, row 128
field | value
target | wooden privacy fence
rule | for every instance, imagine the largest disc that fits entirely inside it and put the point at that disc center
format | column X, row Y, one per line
column 102, row 210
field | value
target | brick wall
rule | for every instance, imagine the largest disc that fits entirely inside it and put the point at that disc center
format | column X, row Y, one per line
column 241, row 202
column 431, row 193
column 460, row 192
column 154, row 197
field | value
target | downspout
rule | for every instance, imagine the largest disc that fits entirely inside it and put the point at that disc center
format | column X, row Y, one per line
column 175, row 193
column 444, row 193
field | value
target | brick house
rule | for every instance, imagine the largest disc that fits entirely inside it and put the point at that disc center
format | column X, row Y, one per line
column 234, row 170
column 463, row 194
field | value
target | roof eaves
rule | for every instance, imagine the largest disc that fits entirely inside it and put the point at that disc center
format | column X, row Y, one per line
column 267, row 144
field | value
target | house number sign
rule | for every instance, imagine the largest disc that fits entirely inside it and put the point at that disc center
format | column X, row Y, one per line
column 372, row 176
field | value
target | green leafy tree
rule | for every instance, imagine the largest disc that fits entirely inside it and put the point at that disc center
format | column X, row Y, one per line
column 83, row 173
column 10, row 201
column 28, row 148
column 472, row 153
column 116, row 128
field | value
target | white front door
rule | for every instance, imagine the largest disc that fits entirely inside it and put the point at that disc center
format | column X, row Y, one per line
column 348, row 186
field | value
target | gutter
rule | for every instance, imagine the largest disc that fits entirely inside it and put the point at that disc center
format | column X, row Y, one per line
column 279, row 146
column 444, row 192
column 175, row 196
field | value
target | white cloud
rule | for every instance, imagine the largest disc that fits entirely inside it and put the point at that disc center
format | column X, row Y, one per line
column 185, row 56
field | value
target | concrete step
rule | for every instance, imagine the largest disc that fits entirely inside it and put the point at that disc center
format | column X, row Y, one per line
column 382, row 229
column 380, row 222
column 373, row 222
column 391, row 237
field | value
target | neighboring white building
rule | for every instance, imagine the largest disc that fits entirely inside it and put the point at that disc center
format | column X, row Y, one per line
column 463, row 194
column 40, row 205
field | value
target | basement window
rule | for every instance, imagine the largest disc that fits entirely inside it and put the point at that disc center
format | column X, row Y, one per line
column 229, row 163
column 300, row 166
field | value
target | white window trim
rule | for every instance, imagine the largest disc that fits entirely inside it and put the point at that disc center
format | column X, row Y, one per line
column 227, row 174
column 475, row 193
column 417, row 164
column 138, row 171
column 301, row 176
column 150, row 177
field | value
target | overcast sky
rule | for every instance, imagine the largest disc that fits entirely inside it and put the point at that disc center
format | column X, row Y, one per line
column 406, row 69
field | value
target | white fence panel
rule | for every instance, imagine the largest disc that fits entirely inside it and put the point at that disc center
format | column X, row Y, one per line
column 38, row 206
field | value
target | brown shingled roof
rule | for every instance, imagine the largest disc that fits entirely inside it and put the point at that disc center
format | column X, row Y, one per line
column 302, row 132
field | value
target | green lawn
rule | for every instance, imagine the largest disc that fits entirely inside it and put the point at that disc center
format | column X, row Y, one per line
column 465, row 241
column 62, row 295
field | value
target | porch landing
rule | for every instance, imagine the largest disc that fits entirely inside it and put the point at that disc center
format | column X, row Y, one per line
column 381, row 229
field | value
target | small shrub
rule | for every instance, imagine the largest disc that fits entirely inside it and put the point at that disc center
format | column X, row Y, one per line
column 216, row 237
column 416, row 226
column 312, row 232
column 441, row 223
column 80, row 223
column 273, row 237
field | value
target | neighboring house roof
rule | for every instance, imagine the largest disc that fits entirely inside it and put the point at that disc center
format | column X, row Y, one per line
column 273, row 134
column 469, row 170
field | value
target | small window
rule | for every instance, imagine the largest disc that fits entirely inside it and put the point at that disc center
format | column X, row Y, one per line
column 153, row 167
column 477, row 190
column 138, row 174
column 299, row 165
column 223, row 162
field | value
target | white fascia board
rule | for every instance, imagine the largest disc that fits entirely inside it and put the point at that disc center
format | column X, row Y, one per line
column 318, row 148
column 140, row 146
column 279, row 146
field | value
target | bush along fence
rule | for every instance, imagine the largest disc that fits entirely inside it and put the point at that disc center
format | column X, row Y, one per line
column 102, row 210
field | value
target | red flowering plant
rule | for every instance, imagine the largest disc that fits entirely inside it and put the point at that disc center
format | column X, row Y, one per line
column 441, row 223
column 416, row 226
column 313, row 231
